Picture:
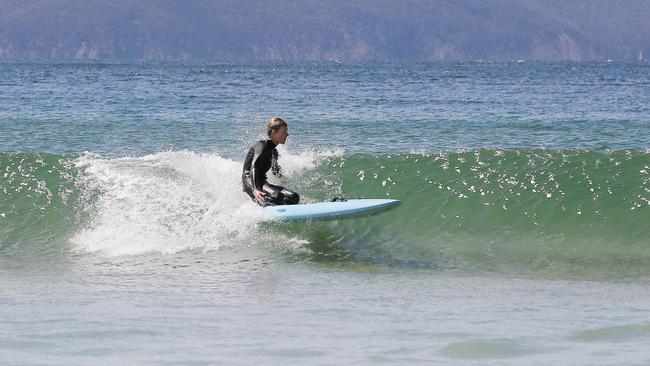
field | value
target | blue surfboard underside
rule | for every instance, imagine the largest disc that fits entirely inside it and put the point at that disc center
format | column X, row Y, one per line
column 330, row 210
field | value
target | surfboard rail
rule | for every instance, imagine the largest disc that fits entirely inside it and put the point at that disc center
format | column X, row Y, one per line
column 330, row 210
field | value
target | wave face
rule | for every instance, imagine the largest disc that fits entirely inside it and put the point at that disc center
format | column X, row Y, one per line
column 569, row 211
column 38, row 201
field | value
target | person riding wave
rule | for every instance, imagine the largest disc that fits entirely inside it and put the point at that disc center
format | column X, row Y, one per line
column 261, row 158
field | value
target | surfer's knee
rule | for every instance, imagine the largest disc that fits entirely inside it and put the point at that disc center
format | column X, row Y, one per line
column 289, row 197
column 277, row 195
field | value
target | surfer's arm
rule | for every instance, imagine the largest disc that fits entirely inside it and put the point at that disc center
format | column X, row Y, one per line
column 256, row 177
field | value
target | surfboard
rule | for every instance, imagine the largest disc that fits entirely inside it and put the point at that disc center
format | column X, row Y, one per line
column 330, row 210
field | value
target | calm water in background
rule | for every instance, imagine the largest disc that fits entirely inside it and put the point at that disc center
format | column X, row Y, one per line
column 522, row 237
column 378, row 108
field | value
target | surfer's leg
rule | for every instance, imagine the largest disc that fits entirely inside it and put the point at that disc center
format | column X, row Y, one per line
column 272, row 194
column 278, row 195
column 289, row 197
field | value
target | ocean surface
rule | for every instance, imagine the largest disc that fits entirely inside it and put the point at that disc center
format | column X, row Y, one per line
column 523, row 237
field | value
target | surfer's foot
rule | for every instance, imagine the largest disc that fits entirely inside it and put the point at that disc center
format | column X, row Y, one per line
column 339, row 199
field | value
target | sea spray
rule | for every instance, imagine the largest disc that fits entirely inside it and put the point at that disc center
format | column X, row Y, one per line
column 178, row 200
column 166, row 203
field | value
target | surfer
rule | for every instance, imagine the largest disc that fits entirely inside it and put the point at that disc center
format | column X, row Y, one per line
column 261, row 158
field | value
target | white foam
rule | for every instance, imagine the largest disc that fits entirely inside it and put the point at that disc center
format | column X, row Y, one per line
column 167, row 202
column 293, row 164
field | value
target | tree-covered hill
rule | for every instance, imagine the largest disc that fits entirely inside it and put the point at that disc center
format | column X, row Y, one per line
column 230, row 30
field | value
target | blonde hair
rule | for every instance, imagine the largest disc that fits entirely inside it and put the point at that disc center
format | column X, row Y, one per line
column 274, row 124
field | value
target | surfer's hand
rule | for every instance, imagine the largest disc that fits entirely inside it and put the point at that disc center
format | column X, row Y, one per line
column 259, row 196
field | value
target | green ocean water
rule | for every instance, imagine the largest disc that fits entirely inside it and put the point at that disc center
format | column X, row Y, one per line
column 567, row 211
column 572, row 211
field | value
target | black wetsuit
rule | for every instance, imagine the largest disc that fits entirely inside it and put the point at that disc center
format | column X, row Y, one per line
column 261, row 158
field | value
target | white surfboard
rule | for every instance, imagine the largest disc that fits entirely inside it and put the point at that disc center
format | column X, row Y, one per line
column 330, row 210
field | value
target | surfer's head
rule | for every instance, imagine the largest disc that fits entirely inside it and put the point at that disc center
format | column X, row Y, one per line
column 277, row 130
